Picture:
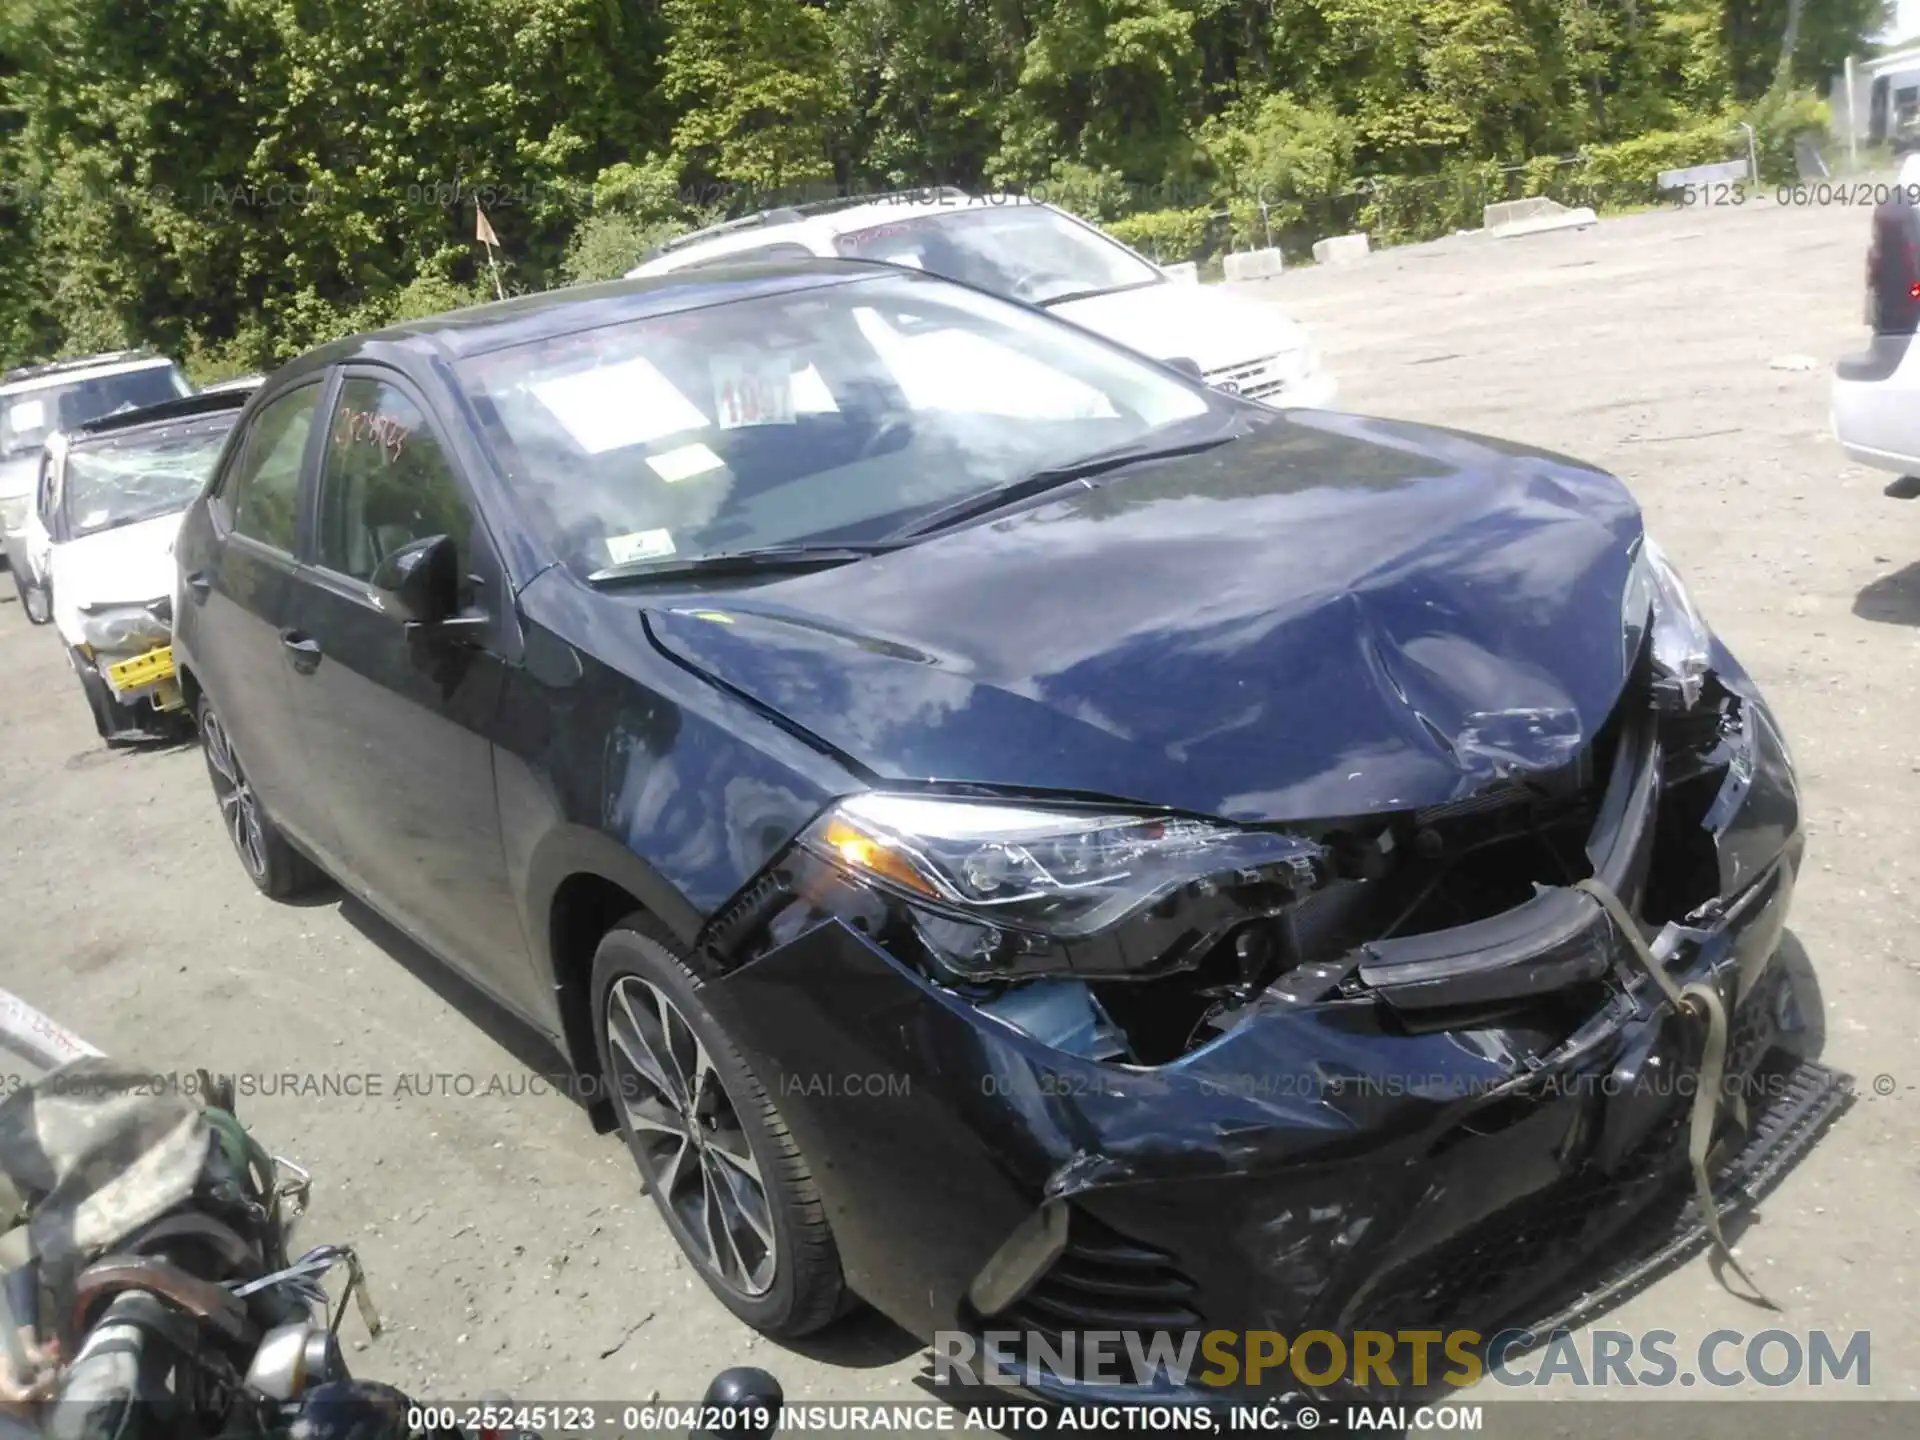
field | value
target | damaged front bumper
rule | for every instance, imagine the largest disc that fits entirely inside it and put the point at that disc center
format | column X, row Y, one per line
column 149, row 675
column 1446, row 1129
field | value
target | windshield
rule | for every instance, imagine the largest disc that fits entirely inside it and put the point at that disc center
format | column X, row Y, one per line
column 108, row 483
column 27, row 417
column 1023, row 250
column 826, row 415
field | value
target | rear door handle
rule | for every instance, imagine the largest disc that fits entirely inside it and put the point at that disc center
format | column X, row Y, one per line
column 200, row 583
column 303, row 651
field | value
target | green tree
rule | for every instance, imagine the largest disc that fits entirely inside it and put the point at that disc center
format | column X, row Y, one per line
column 1110, row 83
column 758, row 89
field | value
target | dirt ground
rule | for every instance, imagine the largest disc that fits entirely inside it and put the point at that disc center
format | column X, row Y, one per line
column 510, row 1247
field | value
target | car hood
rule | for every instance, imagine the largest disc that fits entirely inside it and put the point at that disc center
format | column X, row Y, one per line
column 129, row 565
column 1332, row 617
column 1201, row 323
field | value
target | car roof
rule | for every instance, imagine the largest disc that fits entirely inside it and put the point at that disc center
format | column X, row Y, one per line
column 167, row 412
column 825, row 221
column 61, row 372
column 524, row 319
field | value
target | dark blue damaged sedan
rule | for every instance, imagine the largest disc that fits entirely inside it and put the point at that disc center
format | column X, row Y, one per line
column 1007, row 833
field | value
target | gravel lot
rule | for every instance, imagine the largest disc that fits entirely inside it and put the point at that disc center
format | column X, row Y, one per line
column 510, row 1247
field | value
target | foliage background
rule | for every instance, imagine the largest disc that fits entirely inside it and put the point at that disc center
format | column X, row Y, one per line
column 236, row 180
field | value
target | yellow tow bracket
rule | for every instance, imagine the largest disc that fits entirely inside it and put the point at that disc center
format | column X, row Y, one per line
column 142, row 671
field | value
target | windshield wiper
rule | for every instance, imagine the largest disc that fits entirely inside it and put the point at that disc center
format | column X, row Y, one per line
column 738, row 562
column 985, row 502
column 1069, row 296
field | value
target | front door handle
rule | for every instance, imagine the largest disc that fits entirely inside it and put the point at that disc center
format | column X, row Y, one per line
column 200, row 583
column 303, row 651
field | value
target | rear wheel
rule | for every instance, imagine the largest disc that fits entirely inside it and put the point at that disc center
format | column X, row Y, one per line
column 270, row 861
column 717, row 1158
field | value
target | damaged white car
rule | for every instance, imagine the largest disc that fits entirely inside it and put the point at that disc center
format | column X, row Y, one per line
column 100, row 551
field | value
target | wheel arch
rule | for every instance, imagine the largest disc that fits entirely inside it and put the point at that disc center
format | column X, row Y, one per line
column 190, row 688
column 581, row 885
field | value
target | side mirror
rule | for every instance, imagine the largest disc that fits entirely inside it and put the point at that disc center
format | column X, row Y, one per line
column 743, row 1402
column 420, row 582
column 1188, row 366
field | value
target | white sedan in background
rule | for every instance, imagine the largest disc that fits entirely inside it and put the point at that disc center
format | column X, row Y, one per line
column 100, row 546
column 36, row 400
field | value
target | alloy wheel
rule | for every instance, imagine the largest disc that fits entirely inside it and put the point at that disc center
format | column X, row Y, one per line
column 688, row 1136
column 239, row 809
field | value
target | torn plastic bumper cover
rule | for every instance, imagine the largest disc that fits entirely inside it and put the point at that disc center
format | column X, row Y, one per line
column 1447, row 1128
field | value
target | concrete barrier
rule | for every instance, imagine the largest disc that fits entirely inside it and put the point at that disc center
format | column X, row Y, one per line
column 1186, row 272
column 1533, row 216
column 1341, row 250
column 1704, row 184
column 1510, row 212
column 1254, row 265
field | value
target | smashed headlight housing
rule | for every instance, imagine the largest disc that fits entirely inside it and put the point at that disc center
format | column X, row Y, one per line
column 1657, row 599
column 1001, row 889
column 115, row 629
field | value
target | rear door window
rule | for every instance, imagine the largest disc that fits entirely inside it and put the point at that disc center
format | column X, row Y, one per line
column 262, row 496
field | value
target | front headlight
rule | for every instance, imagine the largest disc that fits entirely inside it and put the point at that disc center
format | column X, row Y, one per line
column 117, row 628
column 13, row 513
column 1017, row 883
column 1657, row 599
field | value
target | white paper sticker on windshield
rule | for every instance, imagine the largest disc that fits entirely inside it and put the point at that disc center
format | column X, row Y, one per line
column 685, row 463
column 27, row 415
column 640, row 545
column 810, row 393
column 752, row 390
column 615, row 406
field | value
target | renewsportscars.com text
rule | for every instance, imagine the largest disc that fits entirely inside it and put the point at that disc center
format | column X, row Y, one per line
column 1376, row 1360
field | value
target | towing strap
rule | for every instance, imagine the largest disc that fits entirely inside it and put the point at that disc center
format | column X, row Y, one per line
column 1704, row 1003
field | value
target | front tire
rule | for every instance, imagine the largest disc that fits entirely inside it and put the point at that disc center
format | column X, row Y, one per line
column 279, row 871
column 718, row 1161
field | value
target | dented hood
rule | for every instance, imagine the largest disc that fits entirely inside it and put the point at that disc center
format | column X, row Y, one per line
column 1331, row 617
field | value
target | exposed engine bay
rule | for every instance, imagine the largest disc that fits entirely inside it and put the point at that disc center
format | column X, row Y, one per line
column 1457, row 916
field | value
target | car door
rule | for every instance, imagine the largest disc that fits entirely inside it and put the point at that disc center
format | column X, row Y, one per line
column 398, row 722
column 240, row 585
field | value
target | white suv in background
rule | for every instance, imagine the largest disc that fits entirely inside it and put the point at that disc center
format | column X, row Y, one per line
column 1032, row 252
column 1876, row 394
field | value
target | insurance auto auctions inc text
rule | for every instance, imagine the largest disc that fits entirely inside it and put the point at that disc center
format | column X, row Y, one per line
column 1383, row 1360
